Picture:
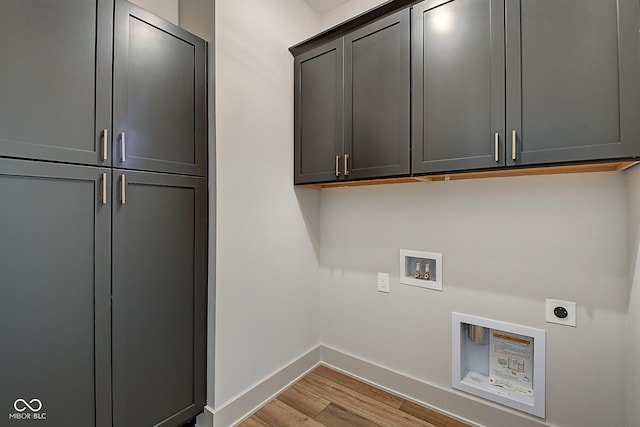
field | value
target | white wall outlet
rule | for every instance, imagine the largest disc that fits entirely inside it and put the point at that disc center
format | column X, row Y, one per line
column 561, row 312
column 383, row 282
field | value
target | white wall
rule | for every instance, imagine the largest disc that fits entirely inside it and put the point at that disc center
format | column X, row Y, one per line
column 633, row 356
column 197, row 17
column 346, row 11
column 167, row 9
column 507, row 244
column 267, row 311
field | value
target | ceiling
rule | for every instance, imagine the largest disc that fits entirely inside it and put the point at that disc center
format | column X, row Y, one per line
column 323, row 6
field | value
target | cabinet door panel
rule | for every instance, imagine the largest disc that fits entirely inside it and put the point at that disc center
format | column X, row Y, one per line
column 56, row 79
column 458, row 85
column 55, row 293
column 318, row 113
column 377, row 89
column 159, row 94
column 571, row 85
column 159, row 244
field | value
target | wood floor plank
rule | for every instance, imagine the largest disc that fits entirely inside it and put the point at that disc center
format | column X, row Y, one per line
column 253, row 421
column 359, row 404
column 303, row 401
column 335, row 416
column 326, row 398
column 279, row 414
column 359, row 386
column 431, row 416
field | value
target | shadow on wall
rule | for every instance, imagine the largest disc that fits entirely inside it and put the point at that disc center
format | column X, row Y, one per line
column 633, row 182
column 633, row 308
column 309, row 202
column 634, row 261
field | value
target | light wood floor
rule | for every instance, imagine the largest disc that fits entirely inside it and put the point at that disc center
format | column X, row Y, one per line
column 326, row 398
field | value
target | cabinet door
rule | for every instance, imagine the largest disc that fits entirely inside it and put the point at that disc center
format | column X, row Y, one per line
column 377, row 92
column 159, row 274
column 159, row 105
column 55, row 294
column 572, row 80
column 458, row 85
column 318, row 114
column 55, row 83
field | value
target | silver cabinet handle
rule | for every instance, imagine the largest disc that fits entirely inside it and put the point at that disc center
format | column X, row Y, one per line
column 104, row 188
column 123, row 147
column 123, row 189
column 105, row 144
column 513, row 145
column 497, row 147
column 337, row 165
column 346, row 165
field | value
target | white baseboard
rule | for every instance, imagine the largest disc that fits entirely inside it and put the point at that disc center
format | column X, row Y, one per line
column 206, row 418
column 458, row 405
column 237, row 409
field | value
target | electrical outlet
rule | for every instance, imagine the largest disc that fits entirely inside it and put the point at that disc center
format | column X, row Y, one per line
column 561, row 312
column 383, row 282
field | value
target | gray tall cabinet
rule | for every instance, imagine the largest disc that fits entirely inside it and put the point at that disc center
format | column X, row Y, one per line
column 103, row 221
column 55, row 286
column 55, row 79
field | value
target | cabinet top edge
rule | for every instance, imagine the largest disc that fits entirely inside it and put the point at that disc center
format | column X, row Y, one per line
column 350, row 25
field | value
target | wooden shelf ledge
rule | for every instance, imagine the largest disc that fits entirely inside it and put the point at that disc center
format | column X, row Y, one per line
column 551, row 170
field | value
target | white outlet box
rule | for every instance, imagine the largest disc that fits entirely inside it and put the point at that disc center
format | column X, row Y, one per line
column 383, row 282
column 557, row 308
column 421, row 269
column 471, row 363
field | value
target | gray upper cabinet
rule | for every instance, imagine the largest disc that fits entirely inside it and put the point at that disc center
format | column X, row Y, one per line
column 352, row 105
column 55, row 293
column 159, row 301
column 377, row 91
column 524, row 82
column 573, row 87
column 55, row 101
column 458, row 85
column 318, row 113
column 59, row 60
column 159, row 94
column 494, row 84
